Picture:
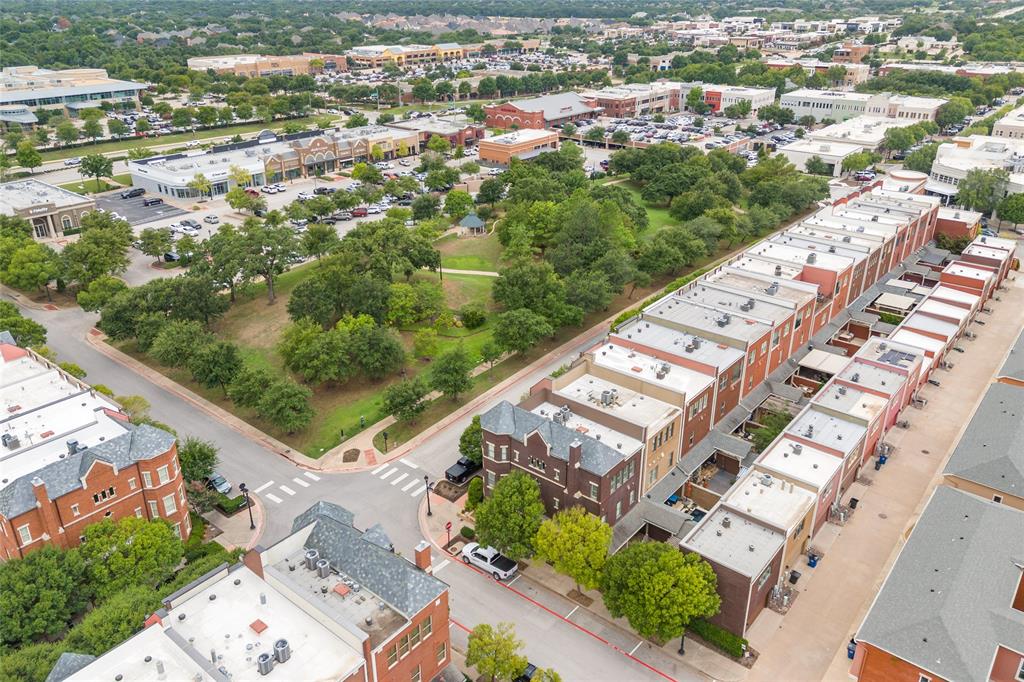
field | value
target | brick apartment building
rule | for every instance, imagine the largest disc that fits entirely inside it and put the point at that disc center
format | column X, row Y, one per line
column 71, row 458
column 547, row 111
column 637, row 99
column 328, row 602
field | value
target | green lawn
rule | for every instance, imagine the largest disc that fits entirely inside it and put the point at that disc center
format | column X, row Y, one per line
column 125, row 145
column 124, row 179
column 657, row 216
column 470, row 253
column 91, row 186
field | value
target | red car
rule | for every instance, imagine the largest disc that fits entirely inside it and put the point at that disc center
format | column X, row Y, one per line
column 359, row 212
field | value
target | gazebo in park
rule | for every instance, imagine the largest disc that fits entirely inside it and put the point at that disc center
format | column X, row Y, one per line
column 473, row 226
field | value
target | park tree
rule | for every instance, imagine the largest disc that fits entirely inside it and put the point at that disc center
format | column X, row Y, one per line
column 96, row 166
column 33, row 266
column 471, row 441
column 177, row 341
column 99, row 292
column 376, row 351
column 66, row 131
column 494, row 652
column 509, row 519
column 240, row 200
column 27, row 156
column 981, row 189
column 815, row 166
column 520, row 329
column 1012, row 209
column 458, row 204
column 101, row 250
column 406, row 399
column 92, row 129
column 695, row 101
column 491, row 191
column 576, row 543
column 119, row 617
column 438, row 144
column 859, row 161
column 267, row 248
column 357, row 120
column 921, row 160
column 40, row 594
column 659, row 589
column 215, row 364
column 285, row 404
column 128, row 553
column 247, row 388
column 155, row 242
column 198, row 458
column 318, row 240
column 425, row 206
column 897, row 140
column 954, row 111
column 450, row 373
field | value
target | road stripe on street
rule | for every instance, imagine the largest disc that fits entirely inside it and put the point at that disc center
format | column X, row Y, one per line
column 399, row 479
column 409, row 464
column 510, row 582
column 274, row 498
column 263, row 487
column 286, row 489
column 410, row 484
column 299, row 481
column 569, row 615
column 311, row 476
column 418, row 491
column 636, row 647
column 386, row 474
column 379, row 469
column 440, row 566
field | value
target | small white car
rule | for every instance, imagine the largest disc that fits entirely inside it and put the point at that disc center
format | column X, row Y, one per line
column 305, row 196
column 211, row 220
column 73, row 161
column 489, row 560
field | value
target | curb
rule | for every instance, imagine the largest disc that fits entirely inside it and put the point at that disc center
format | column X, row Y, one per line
column 260, row 525
column 95, row 338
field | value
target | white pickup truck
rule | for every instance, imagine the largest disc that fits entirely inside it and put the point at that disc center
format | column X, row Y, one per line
column 489, row 560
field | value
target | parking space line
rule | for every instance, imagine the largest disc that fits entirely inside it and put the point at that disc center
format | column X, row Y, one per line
column 387, row 474
column 313, row 476
column 512, row 582
column 440, row 566
column 274, row 498
column 379, row 469
column 569, row 615
column 636, row 647
column 286, row 489
column 299, row 481
column 399, row 479
column 418, row 491
column 410, row 484
column 263, row 487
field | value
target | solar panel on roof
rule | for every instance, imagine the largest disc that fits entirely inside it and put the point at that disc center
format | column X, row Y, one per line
column 896, row 357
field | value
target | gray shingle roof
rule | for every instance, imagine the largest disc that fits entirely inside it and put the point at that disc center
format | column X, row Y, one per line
column 67, row 665
column 472, row 221
column 556, row 106
column 991, row 450
column 508, row 420
column 946, row 604
column 360, row 555
column 138, row 443
column 1013, row 367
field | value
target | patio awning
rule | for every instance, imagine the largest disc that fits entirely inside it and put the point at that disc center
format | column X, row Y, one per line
column 825, row 362
column 895, row 301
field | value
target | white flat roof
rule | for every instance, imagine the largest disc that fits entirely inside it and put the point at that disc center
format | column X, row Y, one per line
column 769, row 499
column 128, row 661
column 624, row 444
column 933, row 325
column 874, row 377
column 762, row 266
column 823, row 361
column 931, row 305
column 925, row 343
column 964, row 270
column 798, row 256
column 633, row 363
column 895, row 301
column 20, row 195
column 660, row 337
column 522, row 135
column 739, row 543
column 822, row 148
column 805, row 464
column 849, row 400
column 825, row 429
column 626, row 404
column 986, row 251
column 950, row 294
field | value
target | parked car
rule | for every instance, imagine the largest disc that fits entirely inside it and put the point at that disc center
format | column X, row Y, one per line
column 325, row 190
column 188, row 222
column 268, row 189
column 73, row 161
column 152, row 201
column 189, row 230
column 527, row 674
column 305, row 196
column 462, row 470
column 489, row 560
column 219, row 483
column 132, row 193
column 171, row 257
column 211, row 219
column 342, row 215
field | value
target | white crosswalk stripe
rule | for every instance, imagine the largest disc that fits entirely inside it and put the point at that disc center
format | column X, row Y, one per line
column 410, row 484
column 263, row 487
column 399, row 479
column 379, row 469
column 286, row 489
column 310, row 476
column 299, row 481
column 409, row 464
column 418, row 491
column 273, row 498
column 387, row 474
column 440, row 566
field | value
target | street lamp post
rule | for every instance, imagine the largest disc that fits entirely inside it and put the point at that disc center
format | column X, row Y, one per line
column 385, row 434
column 426, row 481
column 248, row 504
column 682, row 644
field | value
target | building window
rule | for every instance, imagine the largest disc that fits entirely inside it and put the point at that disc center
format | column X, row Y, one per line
column 653, row 476
column 416, row 674
column 1020, row 670
column 66, row 223
column 177, row 530
column 131, row 483
column 426, row 627
column 490, row 479
column 147, row 479
column 554, row 503
column 618, row 510
column 154, row 511
column 537, row 464
column 442, row 652
column 403, row 646
column 170, row 505
column 392, row 656
column 764, row 576
column 162, row 474
column 74, row 510
column 138, row 512
column 997, row 498
column 504, row 453
column 923, row 678
column 555, row 472
column 25, row 534
column 751, row 358
column 414, row 636
column 490, row 450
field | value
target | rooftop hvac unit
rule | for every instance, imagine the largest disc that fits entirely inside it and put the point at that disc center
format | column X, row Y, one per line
column 812, row 258
column 323, row 568
column 797, row 448
column 265, row 663
column 778, row 270
column 310, row 558
column 970, row 335
column 847, row 239
column 920, row 403
column 767, row 480
column 606, row 397
column 903, row 424
column 282, row 650
column 772, row 289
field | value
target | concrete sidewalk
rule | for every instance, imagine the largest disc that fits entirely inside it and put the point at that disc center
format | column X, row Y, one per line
column 235, row 530
column 809, row 643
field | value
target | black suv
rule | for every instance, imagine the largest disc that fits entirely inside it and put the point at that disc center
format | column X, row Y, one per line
column 461, row 471
column 325, row 190
column 152, row 201
column 132, row 193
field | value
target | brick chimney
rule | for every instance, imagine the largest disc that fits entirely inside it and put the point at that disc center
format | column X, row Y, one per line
column 253, row 560
column 423, row 556
column 52, row 529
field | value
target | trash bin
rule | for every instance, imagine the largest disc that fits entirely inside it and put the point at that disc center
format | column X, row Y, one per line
column 793, row 577
column 851, row 650
column 854, row 502
column 812, row 560
column 878, row 465
column 883, row 458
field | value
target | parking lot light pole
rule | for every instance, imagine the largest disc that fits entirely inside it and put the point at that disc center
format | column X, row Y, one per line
column 426, row 481
column 248, row 504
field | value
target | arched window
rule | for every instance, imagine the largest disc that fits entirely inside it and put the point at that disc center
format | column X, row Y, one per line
column 66, row 222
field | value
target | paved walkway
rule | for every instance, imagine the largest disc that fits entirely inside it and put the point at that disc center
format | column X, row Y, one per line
column 479, row 273
column 236, row 530
column 810, row 642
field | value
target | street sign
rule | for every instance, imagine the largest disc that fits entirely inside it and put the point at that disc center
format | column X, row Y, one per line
column 448, row 526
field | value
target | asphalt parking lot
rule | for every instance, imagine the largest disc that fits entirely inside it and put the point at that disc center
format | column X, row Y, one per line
column 133, row 210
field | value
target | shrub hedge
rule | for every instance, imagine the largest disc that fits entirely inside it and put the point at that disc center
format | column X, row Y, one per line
column 720, row 637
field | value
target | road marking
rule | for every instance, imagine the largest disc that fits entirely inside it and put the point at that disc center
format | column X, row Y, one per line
column 440, row 566
column 409, row 464
column 299, row 481
column 311, row 476
column 274, row 498
column 510, row 582
column 286, row 489
column 418, row 491
column 263, row 487
column 410, row 484
column 399, row 479
column 636, row 647
column 386, row 474
column 569, row 615
column 379, row 469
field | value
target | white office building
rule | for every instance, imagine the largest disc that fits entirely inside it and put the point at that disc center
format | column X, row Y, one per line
column 841, row 105
column 1010, row 126
column 953, row 160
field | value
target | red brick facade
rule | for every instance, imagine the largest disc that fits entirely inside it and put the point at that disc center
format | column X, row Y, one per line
column 423, row 645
